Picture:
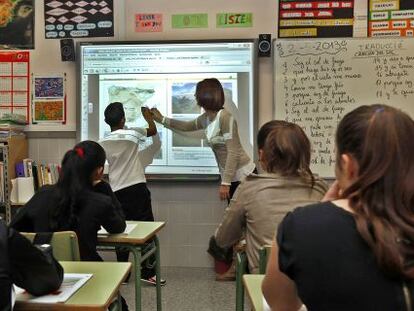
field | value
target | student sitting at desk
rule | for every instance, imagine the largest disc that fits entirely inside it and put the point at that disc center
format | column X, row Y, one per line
column 354, row 251
column 80, row 201
column 23, row 264
column 261, row 201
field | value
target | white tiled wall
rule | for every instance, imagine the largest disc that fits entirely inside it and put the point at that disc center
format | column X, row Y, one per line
column 192, row 210
column 49, row 150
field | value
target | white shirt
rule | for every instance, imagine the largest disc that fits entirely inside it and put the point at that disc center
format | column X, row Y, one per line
column 122, row 153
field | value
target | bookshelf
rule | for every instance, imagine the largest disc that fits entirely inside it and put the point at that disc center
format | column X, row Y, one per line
column 13, row 149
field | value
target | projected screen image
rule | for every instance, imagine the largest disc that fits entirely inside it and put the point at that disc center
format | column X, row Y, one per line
column 169, row 85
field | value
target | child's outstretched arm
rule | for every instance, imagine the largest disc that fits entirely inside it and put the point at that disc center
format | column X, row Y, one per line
column 152, row 128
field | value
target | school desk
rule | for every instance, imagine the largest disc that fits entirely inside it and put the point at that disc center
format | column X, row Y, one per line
column 137, row 241
column 253, row 285
column 95, row 295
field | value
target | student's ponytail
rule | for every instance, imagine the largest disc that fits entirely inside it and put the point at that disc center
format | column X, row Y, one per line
column 381, row 139
column 75, row 178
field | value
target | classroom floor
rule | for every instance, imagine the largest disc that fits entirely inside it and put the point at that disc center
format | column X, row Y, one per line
column 187, row 289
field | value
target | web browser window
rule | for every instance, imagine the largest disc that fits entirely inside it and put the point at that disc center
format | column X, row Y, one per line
column 164, row 75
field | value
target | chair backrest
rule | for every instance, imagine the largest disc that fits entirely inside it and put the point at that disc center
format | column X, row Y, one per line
column 241, row 268
column 64, row 243
column 263, row 257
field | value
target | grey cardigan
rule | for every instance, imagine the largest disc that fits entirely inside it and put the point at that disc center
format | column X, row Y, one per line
column 259, row 205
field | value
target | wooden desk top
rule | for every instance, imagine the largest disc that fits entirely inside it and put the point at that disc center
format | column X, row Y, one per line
column 144, row 231
column 96, row 294
column 253, row 285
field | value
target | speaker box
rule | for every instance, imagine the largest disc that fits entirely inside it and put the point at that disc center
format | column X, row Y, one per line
column 67, row 50
column 265, row 45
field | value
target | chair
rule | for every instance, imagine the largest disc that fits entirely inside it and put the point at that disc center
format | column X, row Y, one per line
column 241, row 268
column 64, row 243
column 263, row 257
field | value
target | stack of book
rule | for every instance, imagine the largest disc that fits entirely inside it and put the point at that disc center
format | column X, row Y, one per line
column 2, row 183
column 43, row 174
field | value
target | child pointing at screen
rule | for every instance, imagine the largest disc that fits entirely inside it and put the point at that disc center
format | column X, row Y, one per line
column 126, row 172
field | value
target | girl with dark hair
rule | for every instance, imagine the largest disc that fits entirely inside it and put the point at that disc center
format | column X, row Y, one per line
column 221, row 133
column 23, row 264
column 80, row 201
column 355, row 250
column 261, row 201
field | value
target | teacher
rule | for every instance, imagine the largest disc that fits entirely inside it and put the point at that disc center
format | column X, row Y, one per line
column 221, row 132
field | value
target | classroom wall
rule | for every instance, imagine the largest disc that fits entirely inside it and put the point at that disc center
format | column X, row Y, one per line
column 192, row 210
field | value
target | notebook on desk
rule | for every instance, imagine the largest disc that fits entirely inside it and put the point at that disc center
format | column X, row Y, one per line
column 72, row 282
column 129, row 228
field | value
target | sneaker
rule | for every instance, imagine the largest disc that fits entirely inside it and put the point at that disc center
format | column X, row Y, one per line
column 153, row 281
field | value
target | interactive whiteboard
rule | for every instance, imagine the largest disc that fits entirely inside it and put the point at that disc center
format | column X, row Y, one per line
column 318, row 81
column 164, row 74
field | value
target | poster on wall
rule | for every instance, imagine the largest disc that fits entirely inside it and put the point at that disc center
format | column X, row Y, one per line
column 49, row 99
column 391, row 18
column 234, row 20
column 17, row 24
column 315, row 19
column 78, row 19
column 180, row 21
column 148, row 22
column 14, row 86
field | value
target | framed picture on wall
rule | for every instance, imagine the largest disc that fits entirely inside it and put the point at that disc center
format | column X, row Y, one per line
column 17, row 24
column 49, row 99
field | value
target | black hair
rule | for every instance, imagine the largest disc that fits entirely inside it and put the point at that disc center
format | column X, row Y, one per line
column 75, row 178
column 114, row 114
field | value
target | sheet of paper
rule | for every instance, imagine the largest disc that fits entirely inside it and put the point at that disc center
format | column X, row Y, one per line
column 71, row 283
column 129, row 228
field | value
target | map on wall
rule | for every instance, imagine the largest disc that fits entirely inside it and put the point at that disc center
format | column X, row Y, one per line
column 77, row 19
column 316, row 19
column 17, row 24
column 391, row 18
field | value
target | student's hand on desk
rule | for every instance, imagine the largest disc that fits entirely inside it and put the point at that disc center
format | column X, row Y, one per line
column 224, row 192
column 157, row 115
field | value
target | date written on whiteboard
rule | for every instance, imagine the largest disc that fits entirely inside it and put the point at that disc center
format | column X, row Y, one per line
column 287, row 49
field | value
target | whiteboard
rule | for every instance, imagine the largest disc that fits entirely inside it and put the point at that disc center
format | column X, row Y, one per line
column 316, row 82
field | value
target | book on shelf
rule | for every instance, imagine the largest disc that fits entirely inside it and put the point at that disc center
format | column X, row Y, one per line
column 43, row 174
column 20, row 169
column 2, row 183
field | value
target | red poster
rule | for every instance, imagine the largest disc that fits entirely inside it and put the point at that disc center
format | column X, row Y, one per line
column 14, row 85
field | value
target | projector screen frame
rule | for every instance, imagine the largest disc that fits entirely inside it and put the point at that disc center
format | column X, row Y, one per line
column 255, row 87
